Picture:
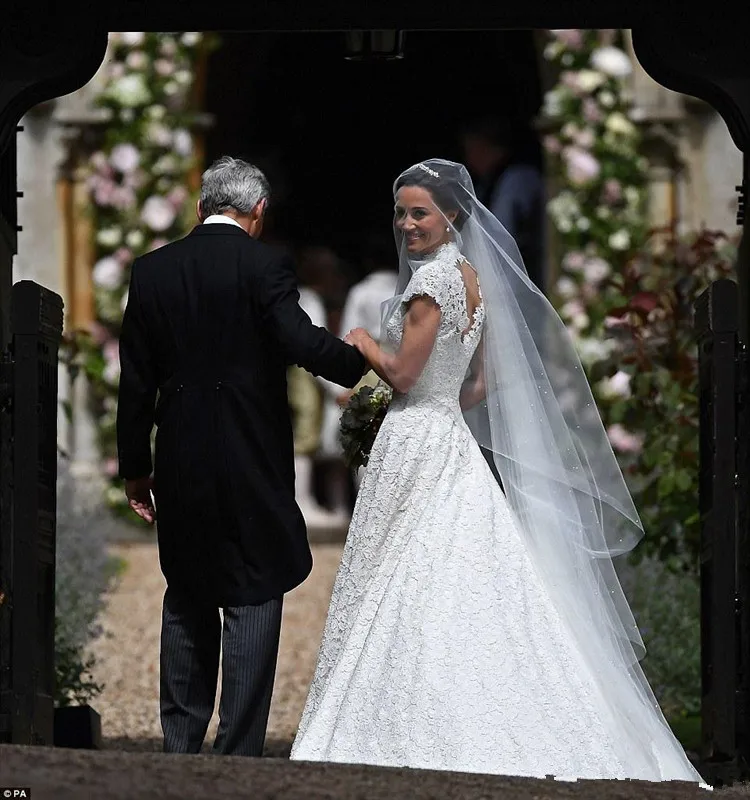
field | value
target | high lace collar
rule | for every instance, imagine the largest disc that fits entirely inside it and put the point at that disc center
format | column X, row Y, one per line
column 447, row 253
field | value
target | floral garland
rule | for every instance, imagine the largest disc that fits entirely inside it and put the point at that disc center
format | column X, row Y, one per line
column 137, row 184
column 600, row 210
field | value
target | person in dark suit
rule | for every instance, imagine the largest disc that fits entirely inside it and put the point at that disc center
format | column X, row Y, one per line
column 211, row 325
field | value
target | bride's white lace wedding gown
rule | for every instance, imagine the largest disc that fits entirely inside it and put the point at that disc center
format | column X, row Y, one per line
column 442, row 649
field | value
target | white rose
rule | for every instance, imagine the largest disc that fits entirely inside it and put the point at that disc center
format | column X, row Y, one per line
column 158, row 213
column 553, row 103
column 566, row 287
column 133, row 39
column 612, row 61
column 134, row 239
column 156, row 111
column 596, row 270
column 619, row 384
column 109, row 237
column 131, row 90
column 618, row 123
column 583, row 224
column 620, row 240
column 159, row 134
column 183, row 142
column 191, row 38
column 137, row 59
column 166, row 165
column 125, row 157
column 183, row 77
column 107, row 273
column 607, row 99
column 589, row 80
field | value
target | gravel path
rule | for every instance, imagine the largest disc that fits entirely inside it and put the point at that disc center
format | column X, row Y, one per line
column 128, row 659
column 128, row 666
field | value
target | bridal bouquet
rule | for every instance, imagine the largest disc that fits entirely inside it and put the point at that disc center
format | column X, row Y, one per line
column 361, row 422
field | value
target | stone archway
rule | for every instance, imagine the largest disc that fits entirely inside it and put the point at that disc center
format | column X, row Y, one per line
column 708, row 64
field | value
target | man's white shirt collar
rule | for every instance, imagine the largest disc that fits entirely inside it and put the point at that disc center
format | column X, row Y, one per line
column 214, row 218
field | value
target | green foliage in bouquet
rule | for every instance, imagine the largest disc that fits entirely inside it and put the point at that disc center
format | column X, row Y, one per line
column 361, row 422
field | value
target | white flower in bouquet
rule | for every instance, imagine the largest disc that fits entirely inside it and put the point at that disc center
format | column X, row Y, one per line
column 596, row 270
column 590, row 80
column 603, row 213
column 191, row 38
column 183, row 142
column 109, row 237
column 133, row 38
column 607, row 99
column 127, row 115
column 581, row 165
column 567, row 287
column 131, row 90
column 158, row 213
column 619, row 124
column 171, row 88
column 125, row 157
column 137, row 59
column 620, row 240
column 135, row 239
column 107, row 273
column 612, row 61
column 583, row 223
column 552, row 50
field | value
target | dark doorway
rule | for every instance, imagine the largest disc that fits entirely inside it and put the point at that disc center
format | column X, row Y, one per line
column 334, row 134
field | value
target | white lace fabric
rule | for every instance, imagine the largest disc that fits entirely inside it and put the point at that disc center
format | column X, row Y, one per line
column 442, row 648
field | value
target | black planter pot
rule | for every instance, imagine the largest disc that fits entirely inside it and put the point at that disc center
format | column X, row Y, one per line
column 79, row 727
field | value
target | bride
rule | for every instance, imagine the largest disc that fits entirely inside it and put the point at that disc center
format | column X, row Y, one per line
column 474, row 627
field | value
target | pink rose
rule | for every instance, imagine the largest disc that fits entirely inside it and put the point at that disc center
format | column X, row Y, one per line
column 623, row 440
column 591, row 111
column 582, row 166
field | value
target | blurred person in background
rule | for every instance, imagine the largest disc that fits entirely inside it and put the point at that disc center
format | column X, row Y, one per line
column 510, row 184
column 361, row 310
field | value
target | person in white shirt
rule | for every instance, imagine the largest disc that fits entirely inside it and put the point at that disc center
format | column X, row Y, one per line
column 361, row 310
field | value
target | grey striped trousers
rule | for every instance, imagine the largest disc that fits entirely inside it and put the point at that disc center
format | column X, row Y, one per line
column 191, row 640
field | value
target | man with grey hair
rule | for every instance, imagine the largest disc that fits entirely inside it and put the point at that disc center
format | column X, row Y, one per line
column 211, row 325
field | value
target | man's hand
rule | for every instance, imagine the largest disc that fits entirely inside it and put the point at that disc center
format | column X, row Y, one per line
column 140, row 499
column 360, row 339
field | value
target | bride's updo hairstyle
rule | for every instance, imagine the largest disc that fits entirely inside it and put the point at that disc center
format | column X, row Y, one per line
column 445, row 187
